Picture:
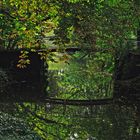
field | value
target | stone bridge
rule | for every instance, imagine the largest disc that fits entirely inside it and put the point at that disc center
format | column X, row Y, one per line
column 29, row 83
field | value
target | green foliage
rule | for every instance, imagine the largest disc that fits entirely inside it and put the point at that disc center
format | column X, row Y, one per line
column 100, row 27
column 86, row 24
column 24, row 23
column 92, row 25
column 82, row 23
column 88, row 77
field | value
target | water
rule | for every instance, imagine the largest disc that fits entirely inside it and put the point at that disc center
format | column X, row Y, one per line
column 64, row 116
column 61, row 122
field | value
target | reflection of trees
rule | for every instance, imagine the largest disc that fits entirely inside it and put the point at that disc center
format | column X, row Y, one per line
column 61, row 121
column 81, row 122
column 13, row 127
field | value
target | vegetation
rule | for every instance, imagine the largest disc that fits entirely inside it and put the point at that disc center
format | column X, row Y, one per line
column 80, row 23
column 74, row 81
column 103, row 32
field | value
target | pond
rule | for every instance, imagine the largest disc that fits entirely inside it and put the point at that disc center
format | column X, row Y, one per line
column 79, row 105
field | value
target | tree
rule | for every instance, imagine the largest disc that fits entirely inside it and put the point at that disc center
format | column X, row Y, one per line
column 80, row 22
column 93, row 26
column 23, row 24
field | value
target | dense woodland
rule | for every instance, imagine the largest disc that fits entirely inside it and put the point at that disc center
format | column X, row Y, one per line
column 81, row 84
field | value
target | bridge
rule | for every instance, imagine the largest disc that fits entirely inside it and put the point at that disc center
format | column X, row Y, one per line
column 29, row 83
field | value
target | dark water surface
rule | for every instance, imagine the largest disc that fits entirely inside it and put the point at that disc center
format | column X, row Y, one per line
column 61, row 122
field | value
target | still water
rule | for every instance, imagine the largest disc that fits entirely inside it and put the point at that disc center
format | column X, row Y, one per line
column 83, row 78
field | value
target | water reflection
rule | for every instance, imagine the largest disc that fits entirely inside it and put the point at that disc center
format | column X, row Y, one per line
column 70, row 111
column 60, row 122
